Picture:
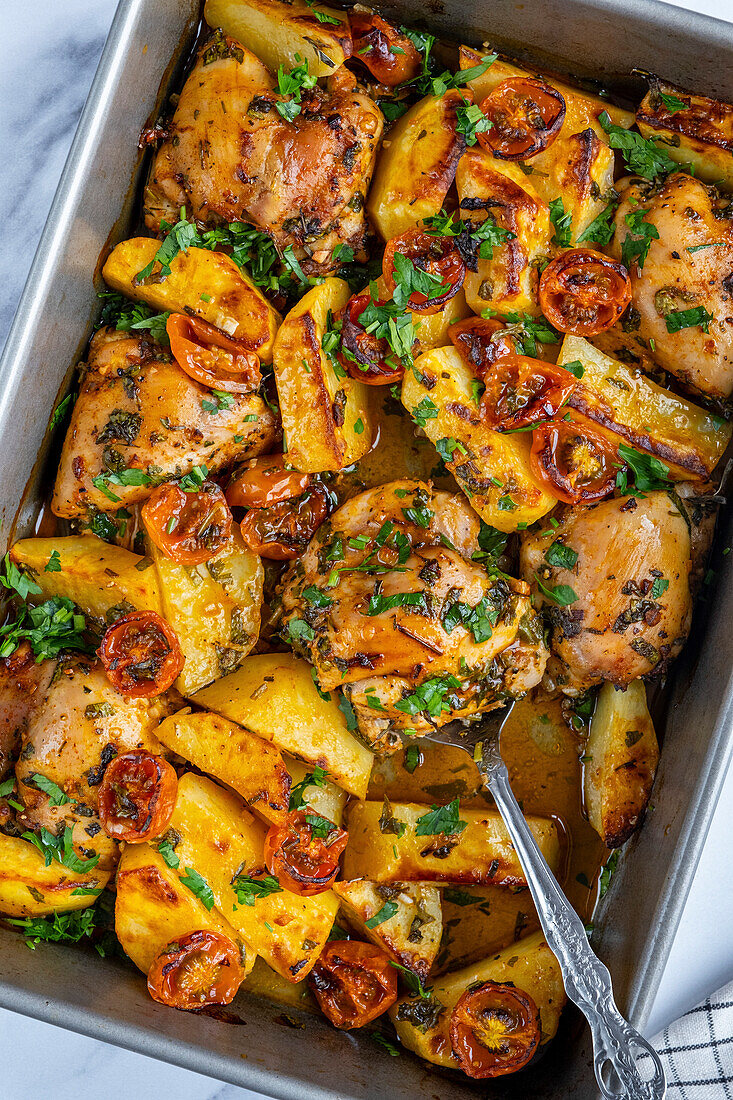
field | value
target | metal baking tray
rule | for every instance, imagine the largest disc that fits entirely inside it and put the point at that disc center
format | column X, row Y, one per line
column 601, row 39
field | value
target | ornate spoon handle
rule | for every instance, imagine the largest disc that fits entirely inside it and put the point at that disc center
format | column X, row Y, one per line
column 616, row 1044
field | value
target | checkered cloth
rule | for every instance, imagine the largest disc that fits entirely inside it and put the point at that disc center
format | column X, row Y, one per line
column 697, row 1050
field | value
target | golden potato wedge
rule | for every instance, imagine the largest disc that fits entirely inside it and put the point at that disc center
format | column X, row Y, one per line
column 700, row 134
column 509, row 280
column 690, row 440
column 324, row 797
column 30, row 889
column 326, row 419
column 266, row 982
column 202, row 283
column 482, row 920
column 285, row 34
column 154, row 907
column 273, row 695
column 408, row 915
column 252, row 767
column 422, row 1024
column 220, row 840
column 104, row 580
column 482, row 853
column 214, row 609
column 417, row 164
column 491, row 467
column 621, row 757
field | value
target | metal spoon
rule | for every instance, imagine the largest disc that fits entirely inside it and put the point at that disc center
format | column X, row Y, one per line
column 616, row 1044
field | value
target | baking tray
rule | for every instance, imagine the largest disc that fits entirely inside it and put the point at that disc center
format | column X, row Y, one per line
column 639, row 915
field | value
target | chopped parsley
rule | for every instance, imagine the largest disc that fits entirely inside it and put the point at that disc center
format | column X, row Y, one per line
column 248, row 889
column 608, row 872
column 601, row 229
column 441, row 819
column 432, row 696
column 660, row 586
column 649, row 472
column 198, row 886
column 291, row 83
column 219, row 400
column 166, row 848
column 321, row 16
column 56, row 796
column 61, row 849
column 562, row 594
column 525, row 330
column 479, row 619
column 646, row 158
column 53, row 565
column 387, row 911
column 379, row 603
column 192, row 482
column 698, row 317
column 673, row 103
column 447, row 448
column 316, row 778
column 562, row 219
column 424, row 411
column 637, row 242
column 58, row 928
column 561, row 556
column 412, row 758
column 470, row 121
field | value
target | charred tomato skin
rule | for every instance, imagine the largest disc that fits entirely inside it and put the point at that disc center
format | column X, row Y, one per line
column 201, row 968
column 583, row 292
column 576, row 462
column 521, row 391
column 141, row 655
column 526, row 115
column 353, row 983
column 303, row 862
column 137, row 796
column 494, row 1030
column 390, row 56
column 211, row 357
column 188, row 527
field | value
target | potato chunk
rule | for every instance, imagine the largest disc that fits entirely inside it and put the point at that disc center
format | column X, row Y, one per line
column 323, row 797
column 701, row 134
column 214, row 609
column 251, row 766
column 530, row 965
column 417, row 164
column 220, row 840
column 482, row 853
column 326, row 418
column 409, row 916
column 621, row 757
column 104, row 580
column 154, row 907
column 285, row 34
column 273, row 695
column 203, row 283
column 440, row 396
column 30, row 889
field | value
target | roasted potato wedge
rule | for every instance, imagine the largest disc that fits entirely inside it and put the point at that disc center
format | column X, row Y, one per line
column 104, row 580
column 266, row 982
column 417, row 164
column 482, row 919
column 214, row 609
column 252, row 767
column 30, row 889
column 422, row 1024
column 621, row 757
column 154, row 907
column 220, row 840
column 690, row 440
column 408, row 915
column 273, row 695
column 326, row 419
column 203, row 283
column 285, row 34
column 699, row 134
column 441, row 397
column 323, row 798
column 482, row 853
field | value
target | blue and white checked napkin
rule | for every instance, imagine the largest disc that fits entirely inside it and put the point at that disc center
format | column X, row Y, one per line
column 697, row 1050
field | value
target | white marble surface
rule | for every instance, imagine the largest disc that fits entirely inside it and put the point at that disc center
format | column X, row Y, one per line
column 48, row 52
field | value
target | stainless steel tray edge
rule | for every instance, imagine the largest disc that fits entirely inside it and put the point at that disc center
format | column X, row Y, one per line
column 55, row 314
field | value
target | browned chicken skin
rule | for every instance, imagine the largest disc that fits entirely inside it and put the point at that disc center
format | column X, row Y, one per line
column 231, row 156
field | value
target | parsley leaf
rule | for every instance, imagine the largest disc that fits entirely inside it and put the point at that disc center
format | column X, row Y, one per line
column 447, row 448
column 379, row 603
column 650, row 473
column 412, row 758
column 660, row 586
column 50, row 628
column 562, row 594
column 470, row 121
column 643, row 157
column 562, row 220
column 166, row 848
column 561, row 556
column 698, row 317
column 248, row 889
column 56, row 796
column 321, row 16
column 291, row 83
column 61, row 849
column 525, row 330
column 387, row 911
column 316, row 778
column 424, row 411
column 673, row 103
column 59, row 928
column 441, row 819
column 198, row 886
column 638, row 241
column 178, row 238
column 433, row 696
column 601, row 229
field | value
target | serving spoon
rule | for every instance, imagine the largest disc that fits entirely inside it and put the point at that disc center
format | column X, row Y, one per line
column 616, row 1044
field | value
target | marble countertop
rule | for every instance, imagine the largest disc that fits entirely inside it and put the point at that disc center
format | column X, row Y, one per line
column 48, row 53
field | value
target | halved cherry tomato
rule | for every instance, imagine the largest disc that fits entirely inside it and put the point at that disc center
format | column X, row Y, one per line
column 494, row 1030
column 141, row 655
column 211, row 357
column 353, row 983
column 137, row 796
column 584, row 292
column 438, row 257
column 264, row 481
column 200, row 968
column 363, row 355
column 477, row 341
column 520, row 391
column 303, row 853
column 282, row 531
column 389, row 56
column 188, row 527
column 576, row 461
column 525, row 115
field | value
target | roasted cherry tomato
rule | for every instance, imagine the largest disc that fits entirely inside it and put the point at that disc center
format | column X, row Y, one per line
column 576, row 461
column 494, row 1030
column 389, row 56
column 201, row 968
column 141, row 655
column 525, row 115
column 479, row 344
column 435, row 256
column 264, row 481
column 188, row 527
column 520, row 391
column 137, row 796
column 211, row 357
column 282, row 531
column 363, row 355
column 303, row 853
column 583, row 292
column 353, row 983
